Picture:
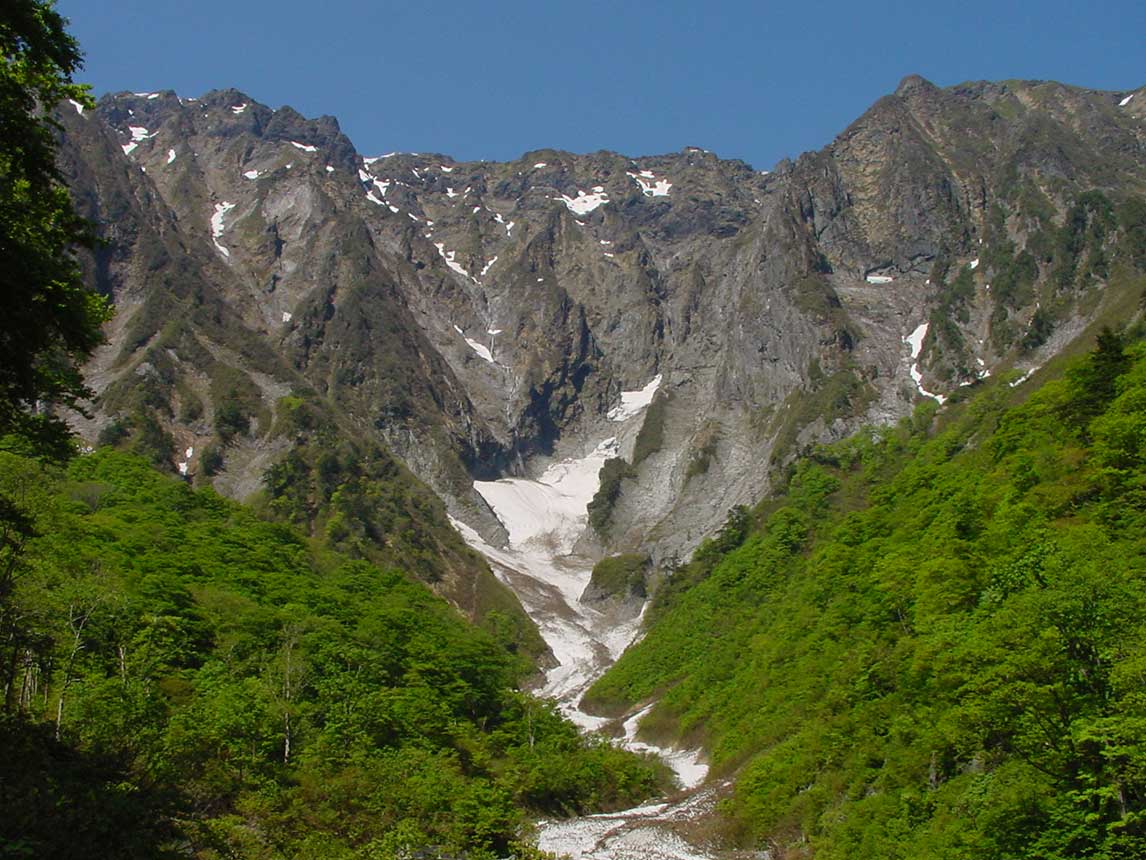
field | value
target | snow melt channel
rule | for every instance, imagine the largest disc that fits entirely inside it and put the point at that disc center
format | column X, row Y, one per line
column 218, row 226
column 915, row 341
column 544, row 519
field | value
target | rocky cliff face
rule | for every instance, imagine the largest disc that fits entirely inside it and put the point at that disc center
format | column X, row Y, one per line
column 482, row 319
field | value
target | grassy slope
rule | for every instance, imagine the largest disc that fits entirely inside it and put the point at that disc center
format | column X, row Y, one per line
column 181, row 642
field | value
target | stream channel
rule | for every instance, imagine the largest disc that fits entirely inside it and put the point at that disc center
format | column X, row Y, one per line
column 544, row 518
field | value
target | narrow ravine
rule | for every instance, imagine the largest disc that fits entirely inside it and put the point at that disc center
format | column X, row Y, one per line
column 544, row 519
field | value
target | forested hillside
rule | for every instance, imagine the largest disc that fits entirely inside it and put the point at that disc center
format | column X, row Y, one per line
column 181, row 678
column 933, row 644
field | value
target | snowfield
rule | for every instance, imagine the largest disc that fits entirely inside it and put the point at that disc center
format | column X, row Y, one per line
column 550, row 511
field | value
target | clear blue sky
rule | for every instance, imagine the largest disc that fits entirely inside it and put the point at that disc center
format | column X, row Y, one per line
column 751, row 80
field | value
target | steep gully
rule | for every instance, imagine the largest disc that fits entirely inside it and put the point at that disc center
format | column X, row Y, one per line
column 544, row 517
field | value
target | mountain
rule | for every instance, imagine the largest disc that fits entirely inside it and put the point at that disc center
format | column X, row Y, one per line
column 594, row 358
column 303, row 324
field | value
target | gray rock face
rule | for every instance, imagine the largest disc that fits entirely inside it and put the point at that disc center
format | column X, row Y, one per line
column 480, row 319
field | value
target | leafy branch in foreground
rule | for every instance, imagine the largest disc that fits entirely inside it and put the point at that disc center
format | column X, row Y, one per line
column 50, row 321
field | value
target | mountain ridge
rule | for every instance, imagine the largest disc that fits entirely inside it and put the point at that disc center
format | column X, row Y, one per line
column 776, row 306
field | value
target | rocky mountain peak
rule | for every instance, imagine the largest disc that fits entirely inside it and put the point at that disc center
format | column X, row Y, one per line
column 915, row 85
column 482, row 319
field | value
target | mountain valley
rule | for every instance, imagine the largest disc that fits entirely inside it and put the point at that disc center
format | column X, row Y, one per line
column 755, row 473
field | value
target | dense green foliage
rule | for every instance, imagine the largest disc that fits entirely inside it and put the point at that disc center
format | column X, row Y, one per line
column 182, row 677
column 358, row 499
column 600, row 507
column 620, row 575
column 50, row 321
column 933, row 645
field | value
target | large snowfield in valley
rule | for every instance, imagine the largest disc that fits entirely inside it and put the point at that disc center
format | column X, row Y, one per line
column 544, row 517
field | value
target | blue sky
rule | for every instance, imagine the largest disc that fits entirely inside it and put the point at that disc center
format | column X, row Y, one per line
column 757, row 81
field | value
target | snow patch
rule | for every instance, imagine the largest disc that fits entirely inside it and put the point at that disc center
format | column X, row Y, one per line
column 540, row 165
column 687, row 764
column 1026, row 375
column 286, row 317
column 632, row 402
column 329, row 169
column 170, row 155
column 650, row 185
column 480, row 349
column 915, row 341
column 1126, row 100
column 138, row 133
column 647, row 832
column 584, row 203
column 79, row 107
column 974, row 264
column 251, row 174
column 217, row 225
column 485, row 269
column 238, row 109
column 448, row 256
column 445, row 169
column 304, row 147
column 879, row 279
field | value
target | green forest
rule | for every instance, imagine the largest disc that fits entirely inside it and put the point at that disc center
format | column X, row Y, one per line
column 181, row 677
column 933, row 643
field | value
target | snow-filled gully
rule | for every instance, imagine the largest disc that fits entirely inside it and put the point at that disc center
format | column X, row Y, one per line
column 544, row 519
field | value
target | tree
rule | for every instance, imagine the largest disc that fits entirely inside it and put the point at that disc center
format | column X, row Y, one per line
column 51, row 322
